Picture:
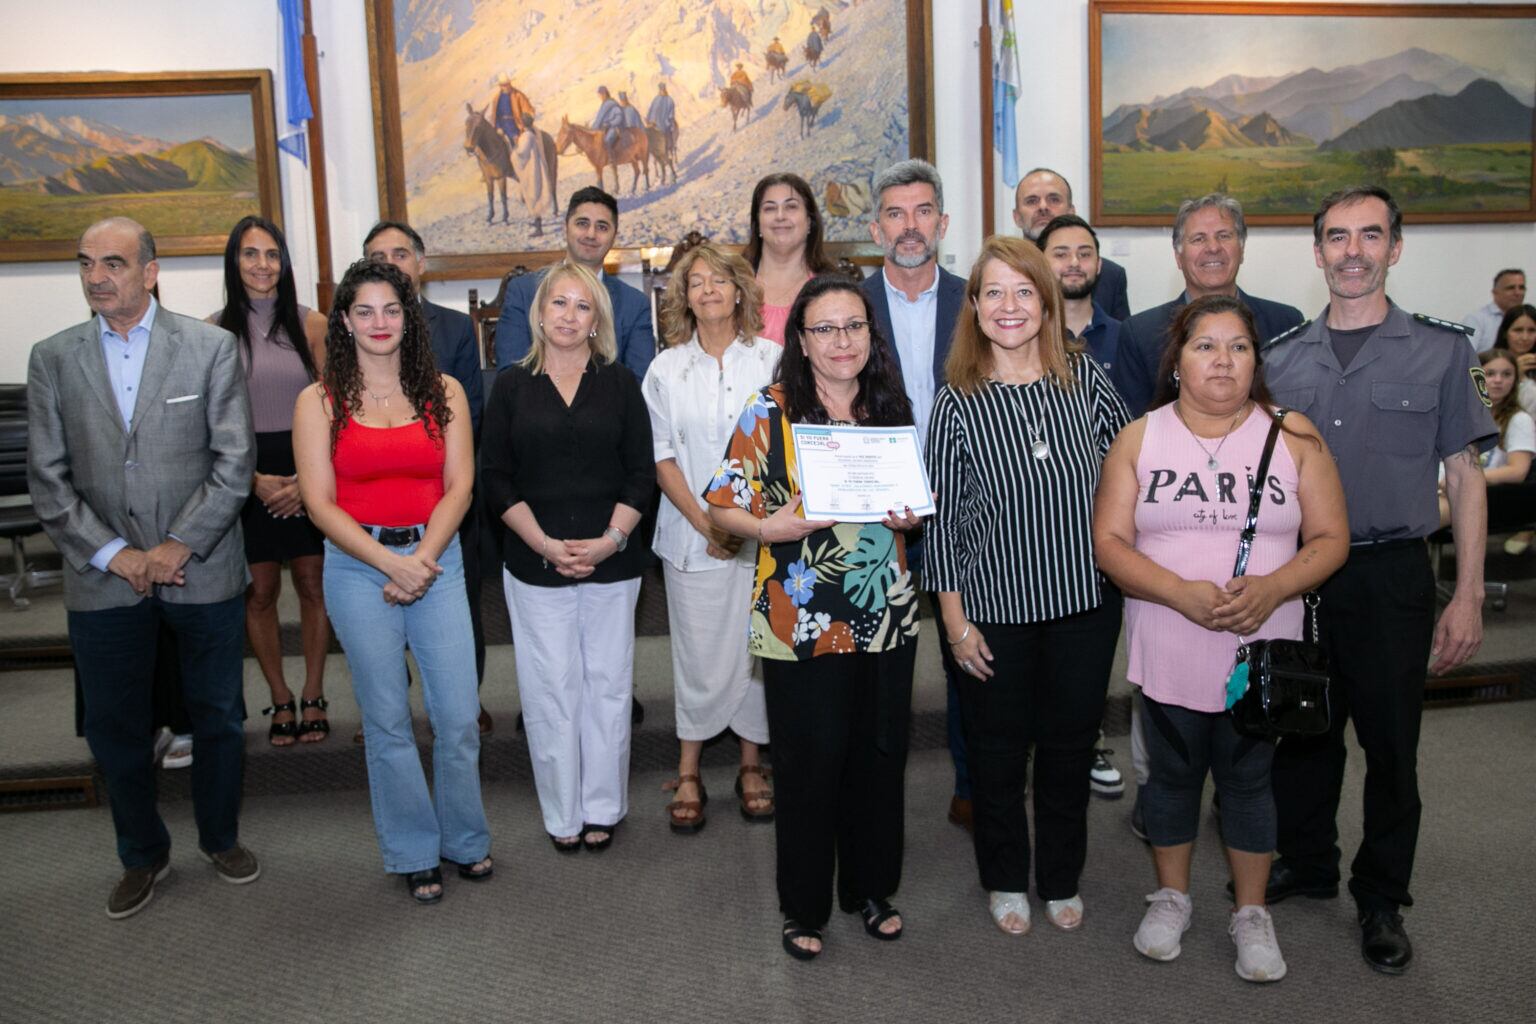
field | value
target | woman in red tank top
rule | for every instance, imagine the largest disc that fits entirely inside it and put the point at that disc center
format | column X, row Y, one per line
column 384, row 452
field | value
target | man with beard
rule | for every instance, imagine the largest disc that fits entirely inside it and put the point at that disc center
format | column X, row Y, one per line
column 1042, row 196
column 1073, row 249
column 1208, row 238
column 1394, row 394
column 916, row 302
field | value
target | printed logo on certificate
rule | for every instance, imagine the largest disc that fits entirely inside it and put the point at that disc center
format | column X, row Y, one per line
column 860, row 474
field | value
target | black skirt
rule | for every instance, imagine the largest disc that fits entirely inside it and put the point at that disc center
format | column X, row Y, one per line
column 268, row 538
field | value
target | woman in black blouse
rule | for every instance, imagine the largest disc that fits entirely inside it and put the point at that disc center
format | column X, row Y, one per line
column 567, row 466
column 1014, row 449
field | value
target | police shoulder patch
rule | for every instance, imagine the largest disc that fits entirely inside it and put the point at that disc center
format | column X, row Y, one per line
column 1449, row 325
column 1285, row 336
column 1480, row 381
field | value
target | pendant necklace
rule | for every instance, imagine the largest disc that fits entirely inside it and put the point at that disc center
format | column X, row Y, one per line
column 1037, row 444
column 1211, row 461
column 384, row 398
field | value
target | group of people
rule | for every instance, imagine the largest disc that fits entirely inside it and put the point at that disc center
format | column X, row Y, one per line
column 1088, row 469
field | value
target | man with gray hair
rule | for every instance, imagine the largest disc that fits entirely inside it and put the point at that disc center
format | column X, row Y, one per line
column 1508, row 292
column 1208, row 238
column 916, row 303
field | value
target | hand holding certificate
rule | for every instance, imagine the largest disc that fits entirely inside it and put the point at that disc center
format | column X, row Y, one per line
column 860, row 474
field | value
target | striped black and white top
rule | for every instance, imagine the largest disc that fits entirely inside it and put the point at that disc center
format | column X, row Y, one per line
column 1013, row 532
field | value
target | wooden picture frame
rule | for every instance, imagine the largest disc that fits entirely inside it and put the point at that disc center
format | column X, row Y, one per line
column 187, row 154
column 1436, row 102
column 466, row 73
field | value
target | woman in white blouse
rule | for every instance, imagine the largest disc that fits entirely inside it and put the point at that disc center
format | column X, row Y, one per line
column 696, row 389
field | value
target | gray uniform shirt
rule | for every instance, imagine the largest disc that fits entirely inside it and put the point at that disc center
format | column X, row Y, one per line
column 1408, row 401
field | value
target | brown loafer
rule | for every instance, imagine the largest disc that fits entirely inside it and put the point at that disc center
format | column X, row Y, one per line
column 960, row 813
column 686, row 817
column 136, row 888
column 764, row 812
column 236, row 865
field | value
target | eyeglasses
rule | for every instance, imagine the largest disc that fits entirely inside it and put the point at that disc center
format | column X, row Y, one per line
column 854, row 330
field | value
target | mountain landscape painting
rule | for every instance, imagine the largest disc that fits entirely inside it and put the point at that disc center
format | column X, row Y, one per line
column 819, row 87
column 186, row 166
column 1279, row 110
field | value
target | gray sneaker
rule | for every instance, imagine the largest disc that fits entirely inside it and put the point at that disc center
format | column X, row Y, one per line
column 134, row 890
column 1163, row 925
column 1258, row 952
column 236, row 865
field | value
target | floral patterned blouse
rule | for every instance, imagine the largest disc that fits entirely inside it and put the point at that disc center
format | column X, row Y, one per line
column 841, row 590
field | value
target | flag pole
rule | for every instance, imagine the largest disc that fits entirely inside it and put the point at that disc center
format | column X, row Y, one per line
column 325, row 286
column 984, row 58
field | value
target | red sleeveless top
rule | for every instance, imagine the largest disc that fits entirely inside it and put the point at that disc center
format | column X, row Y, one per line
column 388, row 476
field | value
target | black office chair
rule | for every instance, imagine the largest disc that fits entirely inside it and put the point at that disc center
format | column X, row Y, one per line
column 18, row 521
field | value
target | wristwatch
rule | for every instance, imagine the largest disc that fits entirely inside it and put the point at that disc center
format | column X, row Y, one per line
column 619, row 537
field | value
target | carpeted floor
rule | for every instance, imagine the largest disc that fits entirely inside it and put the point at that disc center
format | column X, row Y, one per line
column 672, row 929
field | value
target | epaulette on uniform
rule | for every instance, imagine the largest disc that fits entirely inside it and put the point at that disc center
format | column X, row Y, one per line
column 1449, row 325
column 1286, row 336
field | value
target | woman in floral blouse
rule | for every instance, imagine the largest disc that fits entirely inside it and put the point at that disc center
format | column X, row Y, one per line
column 834, row 618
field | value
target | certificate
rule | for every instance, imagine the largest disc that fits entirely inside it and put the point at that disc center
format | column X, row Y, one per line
column 859, row 474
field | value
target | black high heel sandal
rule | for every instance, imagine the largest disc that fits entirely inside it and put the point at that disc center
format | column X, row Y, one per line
column 795, row 930
column 417, row 883
column 319, row 725
column 288, row 729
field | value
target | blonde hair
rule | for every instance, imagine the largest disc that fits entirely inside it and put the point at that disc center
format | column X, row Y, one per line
column 970, row 353
column 677, row 320
column 604, row 346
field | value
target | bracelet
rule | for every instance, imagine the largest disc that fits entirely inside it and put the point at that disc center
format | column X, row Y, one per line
column 760, row 524
column 954, row 643
column 544, row 555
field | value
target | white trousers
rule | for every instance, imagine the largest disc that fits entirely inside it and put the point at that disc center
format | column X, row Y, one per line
column 712, row 679
column 575, row 649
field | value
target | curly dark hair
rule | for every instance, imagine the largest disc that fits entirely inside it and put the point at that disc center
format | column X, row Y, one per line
column 816, row 258
column 235, row 316
column 419, row 380
column 881, row 400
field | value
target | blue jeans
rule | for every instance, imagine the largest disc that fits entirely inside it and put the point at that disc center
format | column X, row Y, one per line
column 416, row 830
column 115, row 657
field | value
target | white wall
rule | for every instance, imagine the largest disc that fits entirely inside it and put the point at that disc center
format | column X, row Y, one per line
column 1445, row 270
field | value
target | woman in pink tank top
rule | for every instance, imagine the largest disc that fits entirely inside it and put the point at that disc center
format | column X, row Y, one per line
column 1172, row 501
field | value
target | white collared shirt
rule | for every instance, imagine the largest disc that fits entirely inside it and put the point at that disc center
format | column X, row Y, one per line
column 913, row 324
column 694, row 403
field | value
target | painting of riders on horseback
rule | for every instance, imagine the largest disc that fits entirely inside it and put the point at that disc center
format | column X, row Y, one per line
column 490, row 113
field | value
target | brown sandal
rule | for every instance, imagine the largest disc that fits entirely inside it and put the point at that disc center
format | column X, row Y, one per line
column 686, row 825
column 762, row 814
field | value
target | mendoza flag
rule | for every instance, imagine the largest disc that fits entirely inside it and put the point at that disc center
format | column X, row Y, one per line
column 296, row 108
column 1005, row 93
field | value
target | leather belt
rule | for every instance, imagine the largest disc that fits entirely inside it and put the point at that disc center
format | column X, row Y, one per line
column 394, row 536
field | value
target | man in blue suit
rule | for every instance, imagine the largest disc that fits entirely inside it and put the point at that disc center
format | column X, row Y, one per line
column 1044, row 195
column 1208, row 238
column 916, row 303
column 591, row 225
column 453, row 345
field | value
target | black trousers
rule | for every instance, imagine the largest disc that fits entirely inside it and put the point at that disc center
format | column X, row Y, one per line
column 839, row 728
column 1376, row 622
column 1047, row 689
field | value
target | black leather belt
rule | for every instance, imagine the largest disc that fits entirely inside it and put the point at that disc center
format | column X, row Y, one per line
column 394, row 536
column 1360, row 547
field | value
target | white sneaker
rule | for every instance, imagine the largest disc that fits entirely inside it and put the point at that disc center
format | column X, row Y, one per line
column 179, row 754
column 1258, row 952
column 1163, row 925
column 1104, row 779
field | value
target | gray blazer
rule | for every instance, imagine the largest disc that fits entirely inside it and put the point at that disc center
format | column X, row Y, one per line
column 183, row 470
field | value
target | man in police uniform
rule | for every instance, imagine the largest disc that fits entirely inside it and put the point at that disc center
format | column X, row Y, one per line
column 1394, row 394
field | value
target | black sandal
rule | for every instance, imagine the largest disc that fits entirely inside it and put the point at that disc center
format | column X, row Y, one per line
column 417, row 883
column 289, row 729
column 468, row 872
column 875, row 913
column 319, row 725
column 574, row 846
column 598, row 845
column 795, row 930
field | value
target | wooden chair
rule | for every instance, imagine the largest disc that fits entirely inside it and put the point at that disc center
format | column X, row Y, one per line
column 485, row 314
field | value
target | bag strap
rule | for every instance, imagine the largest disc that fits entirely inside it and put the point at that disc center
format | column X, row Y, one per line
column 1256, row 496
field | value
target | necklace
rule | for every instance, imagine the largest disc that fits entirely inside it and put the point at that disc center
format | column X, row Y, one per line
column 556, row 376
column 1037, row 443
column 384, row 398
column 1211, row 461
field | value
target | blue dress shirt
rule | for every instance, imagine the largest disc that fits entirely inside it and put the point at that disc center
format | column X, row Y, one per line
column 912, row 327
column 125, row 366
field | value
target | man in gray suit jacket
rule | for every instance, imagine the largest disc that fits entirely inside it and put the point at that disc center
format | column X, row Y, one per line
column 140, row 457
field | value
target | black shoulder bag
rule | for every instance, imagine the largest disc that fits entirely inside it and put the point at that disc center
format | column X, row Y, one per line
column 1278, row 688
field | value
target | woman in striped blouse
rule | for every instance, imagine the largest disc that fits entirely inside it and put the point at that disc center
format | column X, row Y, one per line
column 1014, row 449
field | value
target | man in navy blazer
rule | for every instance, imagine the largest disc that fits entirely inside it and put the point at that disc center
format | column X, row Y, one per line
column 1042, row 196
column 453, row 346
column 916, row 303
column 591, row 225
column 1208, row 238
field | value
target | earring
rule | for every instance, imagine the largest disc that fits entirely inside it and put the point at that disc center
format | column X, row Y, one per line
column 1175, row 378
column 592, row 335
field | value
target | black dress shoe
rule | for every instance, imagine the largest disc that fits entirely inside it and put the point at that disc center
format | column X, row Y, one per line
column 1383, row 941
column 1285, row 882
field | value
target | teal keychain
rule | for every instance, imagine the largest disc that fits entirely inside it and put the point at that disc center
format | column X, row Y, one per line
column 1237, row 682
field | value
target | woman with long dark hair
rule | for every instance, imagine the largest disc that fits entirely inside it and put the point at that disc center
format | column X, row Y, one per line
column 834, row 618
column 282, row 346
column 386, row 464
column 785, row 246
column 1517, row 338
